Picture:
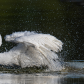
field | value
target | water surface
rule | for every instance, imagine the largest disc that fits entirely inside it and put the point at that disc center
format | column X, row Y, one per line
column 71, row 75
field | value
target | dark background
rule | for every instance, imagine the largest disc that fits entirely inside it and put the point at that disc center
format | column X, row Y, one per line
column 64, row 20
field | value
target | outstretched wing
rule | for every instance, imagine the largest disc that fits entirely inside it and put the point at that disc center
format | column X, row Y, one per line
column 46, row 41
column 41, row 41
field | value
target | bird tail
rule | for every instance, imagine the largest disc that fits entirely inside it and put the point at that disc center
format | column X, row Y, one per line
column 0, row 40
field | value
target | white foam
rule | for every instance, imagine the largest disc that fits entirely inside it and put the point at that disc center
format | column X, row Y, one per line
column 33, row 49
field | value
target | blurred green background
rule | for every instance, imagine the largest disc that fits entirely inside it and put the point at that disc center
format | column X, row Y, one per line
column 64, row 20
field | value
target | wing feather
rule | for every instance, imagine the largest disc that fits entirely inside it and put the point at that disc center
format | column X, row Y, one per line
column 41, row 40
column 46, row 41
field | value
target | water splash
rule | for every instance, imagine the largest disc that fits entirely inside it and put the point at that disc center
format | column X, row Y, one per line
column 33, row 49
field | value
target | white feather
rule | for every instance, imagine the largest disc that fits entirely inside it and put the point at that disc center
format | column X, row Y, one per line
column 0, row 40
column 33, row 50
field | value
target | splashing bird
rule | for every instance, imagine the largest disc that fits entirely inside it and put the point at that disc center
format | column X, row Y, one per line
column 33, row 49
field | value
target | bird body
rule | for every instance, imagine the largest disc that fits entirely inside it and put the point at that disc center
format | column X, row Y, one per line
column 33, row 49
